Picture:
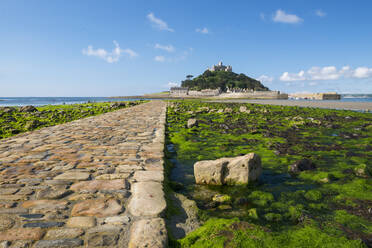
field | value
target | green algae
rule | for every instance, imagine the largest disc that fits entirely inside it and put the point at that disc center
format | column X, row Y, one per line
column 260, row 198
column 233, row 233
column 313, row 195
column 338, row 142
column 14, row 122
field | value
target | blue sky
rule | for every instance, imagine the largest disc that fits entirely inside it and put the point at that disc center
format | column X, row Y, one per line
column 108, row 48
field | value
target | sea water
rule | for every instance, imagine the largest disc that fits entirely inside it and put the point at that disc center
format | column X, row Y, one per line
column 39, row 101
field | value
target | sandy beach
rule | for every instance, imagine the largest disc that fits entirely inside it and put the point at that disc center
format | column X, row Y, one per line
column 358, row 106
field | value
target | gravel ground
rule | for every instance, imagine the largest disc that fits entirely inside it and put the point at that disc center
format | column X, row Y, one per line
column 358, row 106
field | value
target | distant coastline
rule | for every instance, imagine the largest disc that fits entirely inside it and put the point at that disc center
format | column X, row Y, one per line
column 362, row 100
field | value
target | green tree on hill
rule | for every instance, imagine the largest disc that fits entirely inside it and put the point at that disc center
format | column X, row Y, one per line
column 223, row 80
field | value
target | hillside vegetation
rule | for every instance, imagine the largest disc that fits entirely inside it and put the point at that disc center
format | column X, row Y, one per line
column 222, row 79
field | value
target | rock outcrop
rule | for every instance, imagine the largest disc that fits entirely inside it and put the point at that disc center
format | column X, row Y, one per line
column 230, row 171
column 27, row 109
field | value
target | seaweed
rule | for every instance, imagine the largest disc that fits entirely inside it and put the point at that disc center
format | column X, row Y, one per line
column 14, row 121
column 308, row 203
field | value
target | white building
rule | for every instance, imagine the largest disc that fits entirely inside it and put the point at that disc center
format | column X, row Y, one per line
column 220, row 67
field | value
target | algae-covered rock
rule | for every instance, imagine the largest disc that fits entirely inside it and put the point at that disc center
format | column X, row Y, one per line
column 30, row 125
column 273, row 217
column 224, row 207
column 260, row 198
column 8, row 109
column 302, row 165
column 363, row 170
column 313, row 195
column 231, row 171
column 221, row 198
column 118, row 104
column 253, row 213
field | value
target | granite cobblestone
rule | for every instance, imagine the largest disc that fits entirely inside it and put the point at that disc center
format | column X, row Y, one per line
column 94, row 182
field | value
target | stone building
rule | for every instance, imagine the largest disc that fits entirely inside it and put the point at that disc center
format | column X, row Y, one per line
column 220, row 67
column 179, row 91
column 316, row 96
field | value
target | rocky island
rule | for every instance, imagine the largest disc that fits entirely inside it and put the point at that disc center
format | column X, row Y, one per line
column 220, row 81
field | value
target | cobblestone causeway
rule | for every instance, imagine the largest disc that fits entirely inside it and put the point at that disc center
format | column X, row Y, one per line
column 94, row 182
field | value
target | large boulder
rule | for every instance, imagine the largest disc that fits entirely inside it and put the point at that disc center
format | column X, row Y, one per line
column 231, row 171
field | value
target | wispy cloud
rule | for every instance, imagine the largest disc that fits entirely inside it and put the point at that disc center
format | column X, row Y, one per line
column 168, row 48
column 172, row 84
column 283, row 17
column 159, row 23
column 327, row 73
column 182, row 55
column 202, row 30
column 159, row 58
column 320, row 13
column 109, row 57
column 265, row 79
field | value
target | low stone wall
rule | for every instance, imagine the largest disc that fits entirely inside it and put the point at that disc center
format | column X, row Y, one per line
column 255, row 95
column 316, row 96
column 207, row 92
column 94, row 182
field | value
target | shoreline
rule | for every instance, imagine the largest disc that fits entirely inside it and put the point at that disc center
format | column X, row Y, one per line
column 355, row 106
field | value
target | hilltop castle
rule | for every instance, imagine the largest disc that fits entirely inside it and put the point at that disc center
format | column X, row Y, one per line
column 220, row 67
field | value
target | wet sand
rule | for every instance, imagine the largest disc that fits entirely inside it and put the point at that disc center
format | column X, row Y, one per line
column 357, row 106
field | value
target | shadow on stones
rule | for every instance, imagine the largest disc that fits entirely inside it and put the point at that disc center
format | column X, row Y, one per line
column 185, row 220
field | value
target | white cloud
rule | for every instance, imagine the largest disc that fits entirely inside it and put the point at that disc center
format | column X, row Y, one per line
column 320, row 13
column 109, row 57
column 265, row 79
column 327, row 73
column 130, row 52
column 202, row 30
column 289, row 77
column 158, row 23
column 168, row 48
column 362, row 72
column 281, row 16
column 172, row 84
column 262, row 16
column 159, row 58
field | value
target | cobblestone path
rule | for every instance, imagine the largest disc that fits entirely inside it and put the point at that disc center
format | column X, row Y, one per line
column 95, row 182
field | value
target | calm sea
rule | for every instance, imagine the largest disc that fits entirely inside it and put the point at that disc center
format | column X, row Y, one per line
column 37, row 101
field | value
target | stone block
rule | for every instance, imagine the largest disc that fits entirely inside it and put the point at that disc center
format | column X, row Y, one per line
column 148, row 233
